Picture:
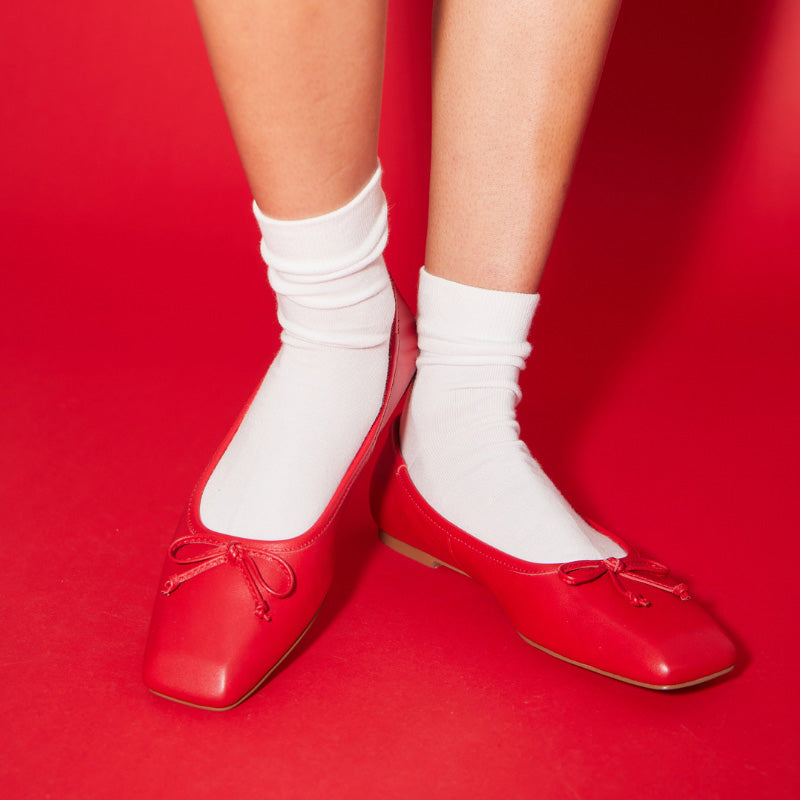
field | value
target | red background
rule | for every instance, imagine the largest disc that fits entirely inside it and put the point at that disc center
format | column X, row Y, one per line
column 662, row 396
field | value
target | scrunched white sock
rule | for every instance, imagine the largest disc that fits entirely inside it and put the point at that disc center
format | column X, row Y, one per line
column 460, row 436
column 325, row 386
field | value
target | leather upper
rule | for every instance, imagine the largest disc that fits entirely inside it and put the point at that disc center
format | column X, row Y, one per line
column 229, row 609
column 663, row 642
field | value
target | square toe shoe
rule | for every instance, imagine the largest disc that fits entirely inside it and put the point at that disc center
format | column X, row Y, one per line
column 229, row 610
column 622, row 617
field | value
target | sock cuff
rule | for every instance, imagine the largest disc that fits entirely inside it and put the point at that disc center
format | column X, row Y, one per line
column 447, row 309
column 352, row 235
column 460, row 325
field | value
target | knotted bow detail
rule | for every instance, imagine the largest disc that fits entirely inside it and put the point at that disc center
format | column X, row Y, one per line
column 236, row 554
column 577, row 573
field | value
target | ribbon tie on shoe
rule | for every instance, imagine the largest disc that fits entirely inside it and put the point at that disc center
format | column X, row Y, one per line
column 577, row 573
column 236, row 554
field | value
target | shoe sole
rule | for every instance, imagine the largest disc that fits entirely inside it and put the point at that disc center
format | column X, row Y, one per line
column 657, row 687
column 241, row 700
column 427, row 560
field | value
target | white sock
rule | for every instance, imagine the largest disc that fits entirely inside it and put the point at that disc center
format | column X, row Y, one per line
column 461, row 437
column 326, row 384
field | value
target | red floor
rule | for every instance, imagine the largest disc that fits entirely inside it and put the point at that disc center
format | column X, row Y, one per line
column 663, row 397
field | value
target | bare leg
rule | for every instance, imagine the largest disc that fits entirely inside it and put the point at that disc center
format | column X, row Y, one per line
column 301, row 84
column 513, row 85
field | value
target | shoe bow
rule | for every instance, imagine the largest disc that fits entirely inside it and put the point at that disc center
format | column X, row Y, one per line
column 642, row 570
column 236, row 554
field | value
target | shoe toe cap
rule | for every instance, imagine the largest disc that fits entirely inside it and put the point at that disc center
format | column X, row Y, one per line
column 696, row 653
column 668, row 644
column 187, row 678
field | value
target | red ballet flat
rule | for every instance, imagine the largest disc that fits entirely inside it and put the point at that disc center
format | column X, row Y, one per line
column 625, row 618
column 230, row 609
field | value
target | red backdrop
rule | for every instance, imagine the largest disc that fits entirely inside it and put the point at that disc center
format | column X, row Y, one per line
column 662, row 396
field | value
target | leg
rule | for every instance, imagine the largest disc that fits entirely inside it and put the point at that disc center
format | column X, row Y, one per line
column 513, row 84
column 301, row 84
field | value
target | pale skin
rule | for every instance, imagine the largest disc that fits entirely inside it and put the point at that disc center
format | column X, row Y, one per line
column 513, row 84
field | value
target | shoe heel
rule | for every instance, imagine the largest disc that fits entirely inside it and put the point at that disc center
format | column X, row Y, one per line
column 413, row 553
column 409, row 551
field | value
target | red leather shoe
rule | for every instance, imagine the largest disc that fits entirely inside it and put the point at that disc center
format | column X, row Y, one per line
column 621, row 617
column 231, row 609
